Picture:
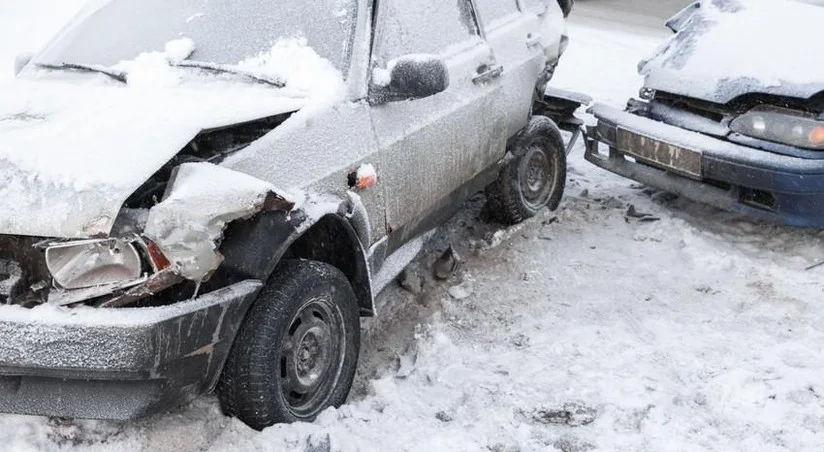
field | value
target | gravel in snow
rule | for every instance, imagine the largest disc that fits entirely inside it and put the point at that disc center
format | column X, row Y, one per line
column 583, row 329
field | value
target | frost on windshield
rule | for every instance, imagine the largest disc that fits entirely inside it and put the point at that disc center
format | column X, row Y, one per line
column 225, row 31
column 729, row 47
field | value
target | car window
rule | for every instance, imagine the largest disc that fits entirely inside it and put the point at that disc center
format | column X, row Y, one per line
column 422, row 26
column 492, row 10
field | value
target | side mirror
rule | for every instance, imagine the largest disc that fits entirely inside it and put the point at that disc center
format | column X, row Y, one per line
column 408, row 78
column 21, row 61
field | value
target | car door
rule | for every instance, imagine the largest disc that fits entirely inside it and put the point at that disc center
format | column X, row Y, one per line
column 515, row 38
column 431, row 147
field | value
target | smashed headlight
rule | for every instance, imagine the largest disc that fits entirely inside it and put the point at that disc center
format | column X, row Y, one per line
column 781, row 126
column 91, row 263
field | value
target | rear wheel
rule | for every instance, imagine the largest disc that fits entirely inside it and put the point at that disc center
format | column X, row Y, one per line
column 535, row 176
column 296, row 353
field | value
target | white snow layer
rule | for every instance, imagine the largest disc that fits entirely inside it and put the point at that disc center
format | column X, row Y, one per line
column 73, row 149
column 732, row 47
column 291, row 61
column 179, row 49
column 700, row 332
column 72, row 152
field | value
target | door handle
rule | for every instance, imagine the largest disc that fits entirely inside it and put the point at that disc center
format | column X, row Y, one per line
column 533, row 39
column 488, row 73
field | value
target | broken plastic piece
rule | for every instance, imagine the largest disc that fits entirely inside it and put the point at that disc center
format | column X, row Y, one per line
column 92, row 263
column 159, row 260
column 202, row 199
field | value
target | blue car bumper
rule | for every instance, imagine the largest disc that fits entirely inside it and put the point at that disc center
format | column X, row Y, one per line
column 777, row 188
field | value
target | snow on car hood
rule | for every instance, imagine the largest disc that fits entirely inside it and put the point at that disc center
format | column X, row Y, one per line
column 71, row 153
column 733, row 47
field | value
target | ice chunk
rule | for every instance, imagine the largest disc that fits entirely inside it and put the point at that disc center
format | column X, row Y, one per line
column 179, row 49
column 150, row 70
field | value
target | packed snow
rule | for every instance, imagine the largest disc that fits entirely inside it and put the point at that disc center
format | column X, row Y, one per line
column 295, row 62
column 734, row 47
column 580, row 330
column 179, row 49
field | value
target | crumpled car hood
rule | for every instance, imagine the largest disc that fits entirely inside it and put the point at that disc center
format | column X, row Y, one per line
column 729, row 48
column 71, row 153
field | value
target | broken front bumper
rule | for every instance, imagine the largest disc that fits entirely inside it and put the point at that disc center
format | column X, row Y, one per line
column 772, row 187
column 116, row 363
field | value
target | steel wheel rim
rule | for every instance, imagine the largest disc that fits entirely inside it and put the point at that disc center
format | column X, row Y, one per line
column 312, row 355
column 536, row 178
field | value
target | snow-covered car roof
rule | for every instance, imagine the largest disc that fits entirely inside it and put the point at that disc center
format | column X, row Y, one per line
column 727, row 48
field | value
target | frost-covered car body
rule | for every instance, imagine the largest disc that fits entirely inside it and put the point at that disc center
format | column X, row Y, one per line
column 732, row 112
column 152, row 183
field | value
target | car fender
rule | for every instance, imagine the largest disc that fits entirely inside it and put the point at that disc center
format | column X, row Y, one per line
column 326, row 229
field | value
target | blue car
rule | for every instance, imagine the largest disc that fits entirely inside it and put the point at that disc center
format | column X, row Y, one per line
column 731, row 113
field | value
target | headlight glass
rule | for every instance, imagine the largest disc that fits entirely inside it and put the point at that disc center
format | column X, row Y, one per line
column 90, row 263
column 781, row 126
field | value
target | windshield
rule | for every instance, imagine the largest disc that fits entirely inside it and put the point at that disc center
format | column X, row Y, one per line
column 225, row 32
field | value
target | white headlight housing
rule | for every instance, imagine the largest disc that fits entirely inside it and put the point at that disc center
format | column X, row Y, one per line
column 91, row 263
column 781, row 125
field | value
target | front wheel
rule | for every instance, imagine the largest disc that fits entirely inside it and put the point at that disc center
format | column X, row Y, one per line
column 297, row 351
column 534, row 177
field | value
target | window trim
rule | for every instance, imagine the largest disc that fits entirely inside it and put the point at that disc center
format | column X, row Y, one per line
column 376, row 11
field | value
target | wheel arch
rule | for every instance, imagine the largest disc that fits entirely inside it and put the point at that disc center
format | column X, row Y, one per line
column 333, row 240
column 253, row 248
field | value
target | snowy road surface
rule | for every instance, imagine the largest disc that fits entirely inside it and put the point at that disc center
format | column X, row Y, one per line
column 580, row 330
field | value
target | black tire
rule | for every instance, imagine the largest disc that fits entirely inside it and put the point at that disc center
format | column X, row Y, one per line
column 297, row 350
column 534, row 177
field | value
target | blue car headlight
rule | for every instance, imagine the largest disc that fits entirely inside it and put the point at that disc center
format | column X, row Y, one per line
column 781, row 125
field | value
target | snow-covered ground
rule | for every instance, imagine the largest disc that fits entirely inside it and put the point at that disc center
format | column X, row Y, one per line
column 579, row 330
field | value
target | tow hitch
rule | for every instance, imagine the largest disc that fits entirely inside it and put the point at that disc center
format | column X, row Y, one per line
column 560, row 106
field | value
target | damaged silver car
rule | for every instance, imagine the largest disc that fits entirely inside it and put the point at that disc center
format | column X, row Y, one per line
column 208, row 195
